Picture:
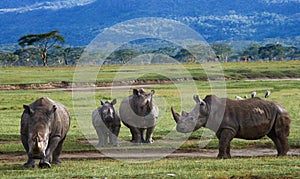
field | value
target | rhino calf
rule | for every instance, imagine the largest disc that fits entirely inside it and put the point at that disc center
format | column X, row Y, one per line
column 107, row 123
column 245, row 119
column 44, row 126
column 139, row 113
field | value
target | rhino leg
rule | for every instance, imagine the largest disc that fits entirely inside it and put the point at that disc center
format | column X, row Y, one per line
column 101, row 137
column 136, row 135
column 57, row 152
column 142, row 131
column 24, row 139
column 114, row 136
column 280, row 141
column 149, row 134
column 30, row 163
column 225, row 137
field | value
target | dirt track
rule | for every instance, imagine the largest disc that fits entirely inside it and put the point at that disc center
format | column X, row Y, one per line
column 145, row 155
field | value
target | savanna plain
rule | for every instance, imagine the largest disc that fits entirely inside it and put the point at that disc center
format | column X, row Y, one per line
column 174, row 86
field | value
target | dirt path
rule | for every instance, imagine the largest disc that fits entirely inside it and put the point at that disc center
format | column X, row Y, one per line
column 151, row 154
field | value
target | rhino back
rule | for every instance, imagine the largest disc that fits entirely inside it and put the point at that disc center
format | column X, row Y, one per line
column 251, row 119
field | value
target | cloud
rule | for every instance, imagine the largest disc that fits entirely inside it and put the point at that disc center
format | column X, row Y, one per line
column 48, row 5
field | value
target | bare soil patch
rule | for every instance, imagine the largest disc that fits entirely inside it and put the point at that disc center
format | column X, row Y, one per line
column 150, row 154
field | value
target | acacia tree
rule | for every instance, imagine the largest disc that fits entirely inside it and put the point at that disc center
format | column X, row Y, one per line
column 222, row 50
column 42, row 42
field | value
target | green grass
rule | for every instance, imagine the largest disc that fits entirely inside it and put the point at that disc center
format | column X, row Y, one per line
column 108, row 73
column 266, row 167
column 286, row 92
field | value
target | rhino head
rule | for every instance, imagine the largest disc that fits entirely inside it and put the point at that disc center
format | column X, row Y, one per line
column 107, row 110
column 189, row 122
column 142, row 102
column 38, row 130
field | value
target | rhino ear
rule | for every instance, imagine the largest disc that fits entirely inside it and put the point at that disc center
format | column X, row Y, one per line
column 27, row 109
column 114, row 101
column 136, row 92
column 102, row 103
column 196, row 98
column 152, row 92
column 53, row 109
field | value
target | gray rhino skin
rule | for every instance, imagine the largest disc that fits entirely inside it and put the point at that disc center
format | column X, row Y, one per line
column 107, row 123
column 44, row 126
column 249, row 119
column 139, row 113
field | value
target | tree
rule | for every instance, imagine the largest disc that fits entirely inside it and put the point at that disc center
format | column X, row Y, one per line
column 8, row 58
column 42, row 42
column 223, row 51
column 122, row 55
column 272, row 51
column 251, row 50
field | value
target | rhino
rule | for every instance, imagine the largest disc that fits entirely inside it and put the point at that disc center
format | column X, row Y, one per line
column 248, row 119
column 44, row 127
column 107, row 123
column 139, row 112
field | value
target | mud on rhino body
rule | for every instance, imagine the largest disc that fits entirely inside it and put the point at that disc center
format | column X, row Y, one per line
column 44, row 126
column 107, row 123
column 139, row 112
column 249, row 119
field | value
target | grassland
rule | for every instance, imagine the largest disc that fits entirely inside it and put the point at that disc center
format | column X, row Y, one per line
column 286, row 92
column 107, row 73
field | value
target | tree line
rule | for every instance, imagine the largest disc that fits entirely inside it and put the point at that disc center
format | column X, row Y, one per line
column 50, row 49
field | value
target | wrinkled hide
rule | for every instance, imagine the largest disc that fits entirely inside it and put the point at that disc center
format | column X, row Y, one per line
column 139, row 113
column 107, row 123
column 246, row 119
column 44, row 126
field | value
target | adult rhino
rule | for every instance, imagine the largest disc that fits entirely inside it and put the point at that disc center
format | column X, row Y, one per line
column 44, row 126
column 139, row 113
column 246, row 119
column 107, row 123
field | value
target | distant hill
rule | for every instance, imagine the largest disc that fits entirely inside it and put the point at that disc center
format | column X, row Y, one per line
column 79, row 21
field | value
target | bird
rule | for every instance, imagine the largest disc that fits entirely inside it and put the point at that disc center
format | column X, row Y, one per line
column 238, row 98
column 268, row 92
column 253, row 94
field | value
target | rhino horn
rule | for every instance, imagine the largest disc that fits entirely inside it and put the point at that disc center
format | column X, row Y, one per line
column 175, row 115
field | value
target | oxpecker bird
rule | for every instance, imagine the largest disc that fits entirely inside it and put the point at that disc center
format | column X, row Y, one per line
column 268, row 92
column 238, row 98
column 253, row 94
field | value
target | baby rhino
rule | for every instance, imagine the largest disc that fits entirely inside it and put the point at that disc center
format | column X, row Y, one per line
column 44, row 126
column 107, row 123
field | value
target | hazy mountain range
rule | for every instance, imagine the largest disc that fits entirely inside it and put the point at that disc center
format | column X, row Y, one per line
column 79, row 21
